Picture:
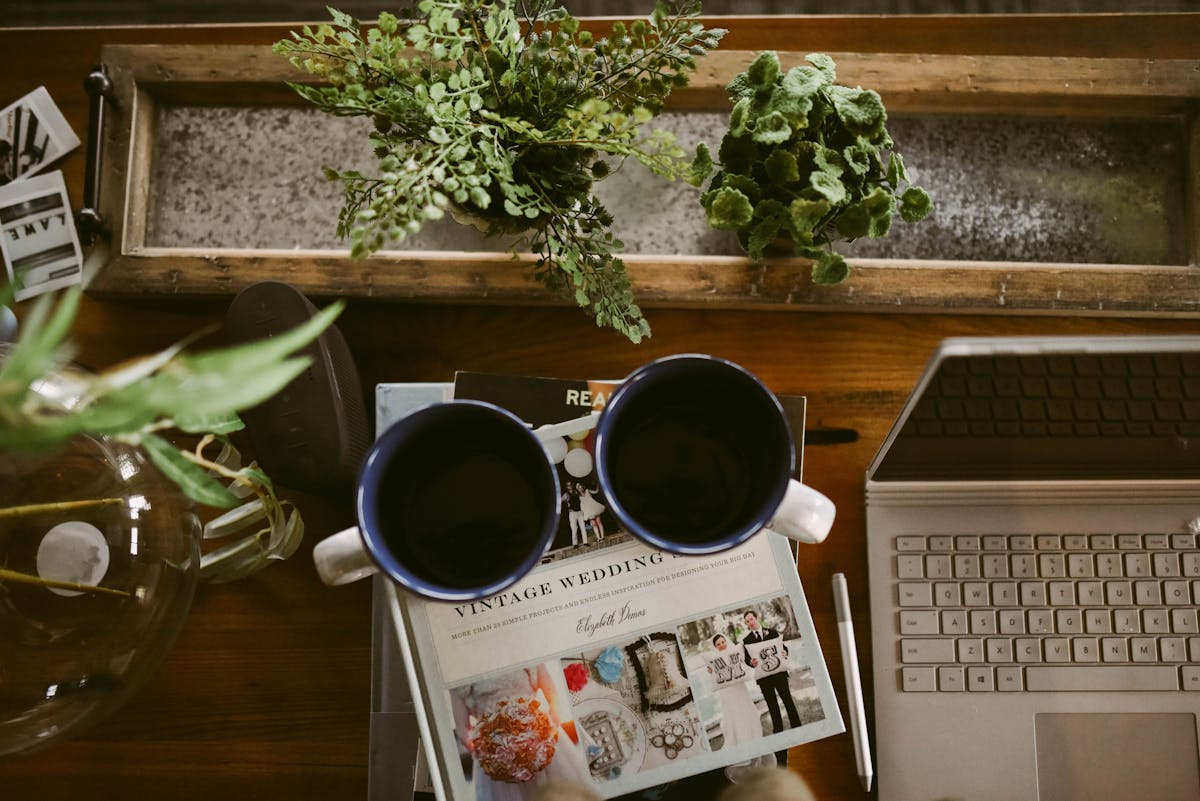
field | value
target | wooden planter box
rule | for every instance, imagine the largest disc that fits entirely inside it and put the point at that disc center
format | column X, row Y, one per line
column 147, row 77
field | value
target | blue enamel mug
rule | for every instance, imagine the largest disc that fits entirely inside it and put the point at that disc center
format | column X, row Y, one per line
column 456, row 501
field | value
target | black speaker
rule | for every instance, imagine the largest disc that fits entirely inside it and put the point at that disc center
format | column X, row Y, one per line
column 314, row 433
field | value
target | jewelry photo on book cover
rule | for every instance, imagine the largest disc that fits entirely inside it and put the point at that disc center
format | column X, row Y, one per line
column 633, row 706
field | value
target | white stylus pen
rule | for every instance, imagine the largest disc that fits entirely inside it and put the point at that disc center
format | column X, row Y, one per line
column 854, row 690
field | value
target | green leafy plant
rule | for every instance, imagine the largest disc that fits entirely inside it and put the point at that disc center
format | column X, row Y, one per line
column 807, row 160
column 138, row 401
column 509, row 112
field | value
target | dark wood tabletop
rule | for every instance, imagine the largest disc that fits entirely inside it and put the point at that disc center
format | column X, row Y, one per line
column 265, row 695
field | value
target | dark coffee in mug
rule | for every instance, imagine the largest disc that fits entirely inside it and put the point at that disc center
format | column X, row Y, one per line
column 695, row 451
column 465, row 498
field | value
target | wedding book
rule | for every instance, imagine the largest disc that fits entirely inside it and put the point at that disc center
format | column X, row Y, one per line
column 612, row 664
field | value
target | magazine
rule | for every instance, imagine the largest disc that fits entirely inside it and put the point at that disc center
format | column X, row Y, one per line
column 612, row 663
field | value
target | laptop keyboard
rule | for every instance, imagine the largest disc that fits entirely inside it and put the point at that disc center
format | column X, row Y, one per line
column 1048, row 612
column 1070, row 395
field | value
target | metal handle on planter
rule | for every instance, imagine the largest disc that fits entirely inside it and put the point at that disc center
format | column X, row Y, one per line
column 91, row 224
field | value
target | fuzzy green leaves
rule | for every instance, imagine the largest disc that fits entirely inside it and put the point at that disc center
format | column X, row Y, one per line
column 806, row 162
column 728, row 209
column 505, row 116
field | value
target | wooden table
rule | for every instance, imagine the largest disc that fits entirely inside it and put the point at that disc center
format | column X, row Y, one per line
column 266, row 693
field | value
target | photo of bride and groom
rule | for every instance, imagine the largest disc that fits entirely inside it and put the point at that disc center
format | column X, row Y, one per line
column 747, row 675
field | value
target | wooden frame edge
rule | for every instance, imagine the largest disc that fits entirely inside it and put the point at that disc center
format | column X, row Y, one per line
column 149, row 74
column 673, row 281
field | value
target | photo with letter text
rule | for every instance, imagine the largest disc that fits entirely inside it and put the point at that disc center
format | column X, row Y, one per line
column 746, row 673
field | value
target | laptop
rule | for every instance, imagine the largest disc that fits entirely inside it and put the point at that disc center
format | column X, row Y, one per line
column 1035, row 573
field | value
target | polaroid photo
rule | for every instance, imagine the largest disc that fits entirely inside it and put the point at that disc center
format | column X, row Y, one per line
column 33, row 134
column 37, row 236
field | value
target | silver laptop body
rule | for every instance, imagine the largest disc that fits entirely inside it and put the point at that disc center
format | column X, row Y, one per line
column 1034, row 580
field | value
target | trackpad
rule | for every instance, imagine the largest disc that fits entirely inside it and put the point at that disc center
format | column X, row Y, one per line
column 1117, row 756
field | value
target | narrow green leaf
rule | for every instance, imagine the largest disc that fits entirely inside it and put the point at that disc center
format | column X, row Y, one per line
column 234, row 561
column 286, row 534
column 195, row 482
column 235, row 520
column 254, row 355
column 217, row 392
column 220, row 423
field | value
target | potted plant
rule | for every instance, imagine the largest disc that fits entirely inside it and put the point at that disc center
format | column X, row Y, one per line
column 46, row 405
column 99, row 551
column 508, row 113
column 805, row 161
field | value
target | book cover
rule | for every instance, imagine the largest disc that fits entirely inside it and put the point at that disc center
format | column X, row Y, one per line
column 612, row 664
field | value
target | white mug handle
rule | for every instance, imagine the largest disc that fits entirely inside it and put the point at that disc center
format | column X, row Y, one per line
column 342, row 558
column 805, row 514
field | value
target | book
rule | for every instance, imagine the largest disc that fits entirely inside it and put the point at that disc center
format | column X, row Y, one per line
column 612, row 663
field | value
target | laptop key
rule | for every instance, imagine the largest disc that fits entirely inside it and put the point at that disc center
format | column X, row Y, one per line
column 1176, row 593
column 1004, row 593
column 910, row 543
column 980, row 679
column 1009, row 679
column 1024, row 565
column 937, row 566
column 1012, row 621
column 1114, row 649
column 947, row 594
column 932, row 651
column 995, row 566
column 918, row 622
column 1126, row 621
column 1028, row 649
column 971, row 650
column 941, row 543
column 1101, row 678
column 1174, row 649
column 1183, row 621
column 1085, row 649
column 1058, row 649
column 1143, row 649
column 1079, row 565
column 1041, row 621
column 1148, row 593
column 966, row 566
column 1166, row 565
column 1091, row 593
column 1137, row 565
column 1097, row 621
column 914, row 593
column 1191, row 677
column 999, row 649
column 910, row 566
column 1108, row 565
column 954, row 622
column 1119, row 593
column 950, row 679
column 918, row 679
